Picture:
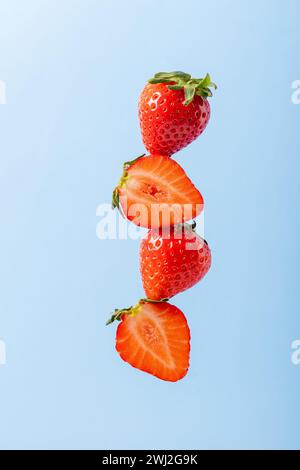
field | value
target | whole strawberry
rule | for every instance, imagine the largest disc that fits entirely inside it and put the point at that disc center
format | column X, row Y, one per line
column 171, row 263
column 173, row 111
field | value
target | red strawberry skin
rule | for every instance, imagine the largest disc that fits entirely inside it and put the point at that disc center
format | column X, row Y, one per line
column 168, row 266
column 167, row 125
column 155, row 338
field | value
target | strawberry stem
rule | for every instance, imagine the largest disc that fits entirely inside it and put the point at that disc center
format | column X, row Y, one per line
column 150, row 301
column 183, row 81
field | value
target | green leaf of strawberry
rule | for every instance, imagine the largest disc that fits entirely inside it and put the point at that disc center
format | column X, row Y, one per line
column 182, row 80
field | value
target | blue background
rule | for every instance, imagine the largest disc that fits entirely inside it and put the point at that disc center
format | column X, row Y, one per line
column 73, row 71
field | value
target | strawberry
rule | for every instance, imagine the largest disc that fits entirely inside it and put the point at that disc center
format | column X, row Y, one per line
column 171, row 263
column 154, row 191
column 155, row 338
column 173, row 111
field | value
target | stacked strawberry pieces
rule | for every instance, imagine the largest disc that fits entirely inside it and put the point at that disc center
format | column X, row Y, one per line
column 154, row 192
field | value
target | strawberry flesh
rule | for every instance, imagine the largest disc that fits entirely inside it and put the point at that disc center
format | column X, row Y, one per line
column 156, row 192
column 156, row 340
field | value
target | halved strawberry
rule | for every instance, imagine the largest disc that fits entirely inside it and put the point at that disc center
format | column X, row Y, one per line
column 155, row 338
column 154, row 191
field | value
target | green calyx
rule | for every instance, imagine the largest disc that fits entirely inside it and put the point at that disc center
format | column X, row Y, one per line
column 184, row 81
column 117, row 314
column 132, row 311
column 115, row 195
column 192, row 227
column 185, row 227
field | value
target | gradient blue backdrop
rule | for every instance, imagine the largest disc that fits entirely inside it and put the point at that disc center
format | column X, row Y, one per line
column 74, row 70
